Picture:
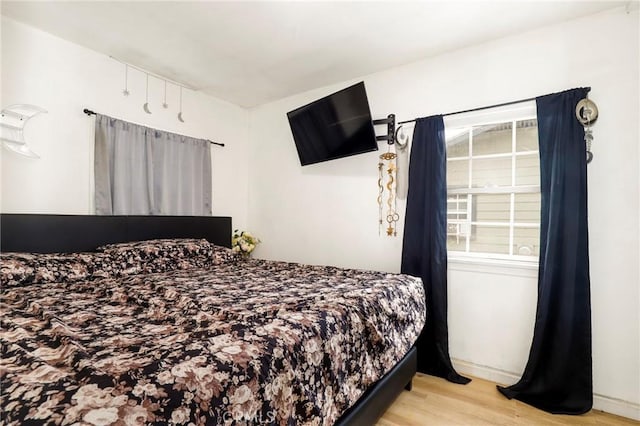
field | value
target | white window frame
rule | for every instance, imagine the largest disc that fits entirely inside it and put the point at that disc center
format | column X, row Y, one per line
column 511, row 113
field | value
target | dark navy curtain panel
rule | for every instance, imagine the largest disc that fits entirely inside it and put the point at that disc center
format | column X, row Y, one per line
column 424, row 246
column 558, row 375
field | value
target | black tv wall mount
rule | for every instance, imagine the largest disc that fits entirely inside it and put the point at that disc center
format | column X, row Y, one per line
column 390, row 121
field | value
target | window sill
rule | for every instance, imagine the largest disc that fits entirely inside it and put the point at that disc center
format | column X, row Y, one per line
column 494, row 266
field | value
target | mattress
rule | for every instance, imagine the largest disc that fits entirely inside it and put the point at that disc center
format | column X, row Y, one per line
column 228, row 341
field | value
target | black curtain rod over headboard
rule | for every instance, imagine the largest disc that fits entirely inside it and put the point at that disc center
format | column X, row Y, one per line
column 89, row 112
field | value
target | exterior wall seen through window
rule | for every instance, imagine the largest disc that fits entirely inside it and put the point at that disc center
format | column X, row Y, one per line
column 493, row 185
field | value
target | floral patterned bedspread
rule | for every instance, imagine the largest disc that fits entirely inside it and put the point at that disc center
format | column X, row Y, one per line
column 256, row 342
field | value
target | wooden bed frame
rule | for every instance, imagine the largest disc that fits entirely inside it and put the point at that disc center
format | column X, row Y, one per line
column 46, row 233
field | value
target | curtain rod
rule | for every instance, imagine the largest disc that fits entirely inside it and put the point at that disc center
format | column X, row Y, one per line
column 89, row 112
column 477, row 109
column 484, row 107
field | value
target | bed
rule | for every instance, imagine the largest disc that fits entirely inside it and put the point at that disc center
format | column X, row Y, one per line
column 163, row 324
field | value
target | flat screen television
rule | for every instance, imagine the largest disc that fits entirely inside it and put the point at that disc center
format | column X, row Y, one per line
column 336, row 126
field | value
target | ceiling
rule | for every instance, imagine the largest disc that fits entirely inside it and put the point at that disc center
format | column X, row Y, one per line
column 250, row 53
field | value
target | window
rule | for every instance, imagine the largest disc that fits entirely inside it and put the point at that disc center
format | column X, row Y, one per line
column 144, row 171
column 493, row 186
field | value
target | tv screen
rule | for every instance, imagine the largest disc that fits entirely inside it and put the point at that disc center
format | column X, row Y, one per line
column 336, row 126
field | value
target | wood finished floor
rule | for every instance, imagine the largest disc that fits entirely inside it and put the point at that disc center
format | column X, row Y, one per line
column 434, row 401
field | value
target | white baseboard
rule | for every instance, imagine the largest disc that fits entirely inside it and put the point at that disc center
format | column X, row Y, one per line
column 600, row 402
column 498, row 376
column 615, row 406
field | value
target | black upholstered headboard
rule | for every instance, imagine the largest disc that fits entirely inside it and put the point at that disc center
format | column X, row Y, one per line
column 50, row 233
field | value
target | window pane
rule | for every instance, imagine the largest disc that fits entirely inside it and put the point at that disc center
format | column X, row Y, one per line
column 526, row 241
column 528, row 170
column 457, row 142
column 492, row 139
column 455, row 240
column 489, row 239
column 491, row 172
column 457, row 207
column 491, row 207
column 457, row 221
column 527, row 208
column 458, row 174
column 527, row 135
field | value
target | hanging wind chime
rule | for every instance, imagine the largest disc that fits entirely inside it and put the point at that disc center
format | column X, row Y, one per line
column 387, row 171
column 387, row 178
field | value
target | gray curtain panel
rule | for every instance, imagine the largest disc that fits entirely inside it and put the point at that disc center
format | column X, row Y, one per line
column 144, row 171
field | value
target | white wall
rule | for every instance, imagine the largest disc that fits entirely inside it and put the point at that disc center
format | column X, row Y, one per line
column 327, row 213
column 64, row 78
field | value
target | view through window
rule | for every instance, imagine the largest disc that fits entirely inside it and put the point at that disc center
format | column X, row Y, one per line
column 493, row 190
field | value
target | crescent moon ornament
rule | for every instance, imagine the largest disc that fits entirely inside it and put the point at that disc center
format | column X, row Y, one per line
column 126, row 80
column 180, row 113
column 401, row 138
column 14, row 119
column 586, row 111
column 165, row 105
column 145, row 107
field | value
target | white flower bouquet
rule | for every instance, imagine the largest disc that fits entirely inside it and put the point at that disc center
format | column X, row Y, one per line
column 243, row 242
